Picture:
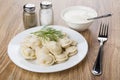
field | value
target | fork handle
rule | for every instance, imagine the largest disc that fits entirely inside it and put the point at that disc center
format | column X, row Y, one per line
column 97, row 68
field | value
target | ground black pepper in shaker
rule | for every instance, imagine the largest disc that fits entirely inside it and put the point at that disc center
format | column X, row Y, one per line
column 29, row 16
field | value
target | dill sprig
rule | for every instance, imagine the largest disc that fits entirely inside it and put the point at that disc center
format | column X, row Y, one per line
column 48, row 33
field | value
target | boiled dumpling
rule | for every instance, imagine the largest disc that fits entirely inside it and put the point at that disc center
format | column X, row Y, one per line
column 26, row 41
column 74, row 43
column 64, row 34
column 65, row 42
column 54, row 47
column 44, row 57
column 28, row 53
column 32, row 41
column 61, row 57
column 35, row 41
column 72, row 50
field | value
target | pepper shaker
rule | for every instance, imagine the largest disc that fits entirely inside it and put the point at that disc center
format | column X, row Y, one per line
column 46, row 13
column 29, row 16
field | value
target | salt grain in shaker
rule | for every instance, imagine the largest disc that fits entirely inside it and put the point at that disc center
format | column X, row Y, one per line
column 46, row 13
column 29, row 16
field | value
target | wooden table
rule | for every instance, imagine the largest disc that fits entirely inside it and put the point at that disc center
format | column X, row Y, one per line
column 11, row 24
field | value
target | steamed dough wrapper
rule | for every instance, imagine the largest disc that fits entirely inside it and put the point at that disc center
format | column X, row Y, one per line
column 54, row 47
column 44, row 57
column 65, row 42
column 28, row 53
column 72, row 50
column 61, row 57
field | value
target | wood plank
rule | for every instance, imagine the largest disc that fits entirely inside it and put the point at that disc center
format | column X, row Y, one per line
column 11, row 24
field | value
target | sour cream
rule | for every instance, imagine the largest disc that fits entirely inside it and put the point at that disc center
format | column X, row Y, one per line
column 79, row 15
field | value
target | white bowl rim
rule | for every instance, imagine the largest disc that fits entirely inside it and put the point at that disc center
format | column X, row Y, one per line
column 72, row 7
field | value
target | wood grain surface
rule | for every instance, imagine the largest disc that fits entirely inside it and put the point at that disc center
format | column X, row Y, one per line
column 11, row 24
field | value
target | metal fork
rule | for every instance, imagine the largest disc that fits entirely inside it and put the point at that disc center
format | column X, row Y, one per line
column 102, row 37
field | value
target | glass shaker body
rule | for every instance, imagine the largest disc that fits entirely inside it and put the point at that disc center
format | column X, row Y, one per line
column 46, row 13
column 29, row 16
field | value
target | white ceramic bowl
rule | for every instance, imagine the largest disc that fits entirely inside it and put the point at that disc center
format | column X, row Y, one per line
column 76, row 17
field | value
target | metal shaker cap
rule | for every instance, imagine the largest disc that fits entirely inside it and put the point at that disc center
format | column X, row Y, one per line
column 29, row 8
column 45, row 4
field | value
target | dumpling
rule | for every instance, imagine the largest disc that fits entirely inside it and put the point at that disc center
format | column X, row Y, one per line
column 74, row 43
column 65, row 42
column 32, row 41
column 44, row 57
column 35, row 41
column 64, row 34
column 54, row 47
column 28, row 53
column 72, row 50
column 61, row 57
column 26, row 41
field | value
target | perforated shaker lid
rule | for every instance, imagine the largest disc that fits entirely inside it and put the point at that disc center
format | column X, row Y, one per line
column 45, row 4
column 29, row 7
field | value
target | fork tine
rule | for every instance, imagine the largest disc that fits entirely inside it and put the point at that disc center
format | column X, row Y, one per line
column 106, row 31
column 103, row 30
column 107, row 26
column 100, row 30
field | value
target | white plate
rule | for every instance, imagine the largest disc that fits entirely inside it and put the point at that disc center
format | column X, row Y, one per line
column 17, row 58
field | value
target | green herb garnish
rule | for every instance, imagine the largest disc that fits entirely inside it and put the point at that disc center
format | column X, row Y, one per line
column 48, row 33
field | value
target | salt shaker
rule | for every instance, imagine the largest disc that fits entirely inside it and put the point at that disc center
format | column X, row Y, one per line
column 46, row 13
column 29, row 16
